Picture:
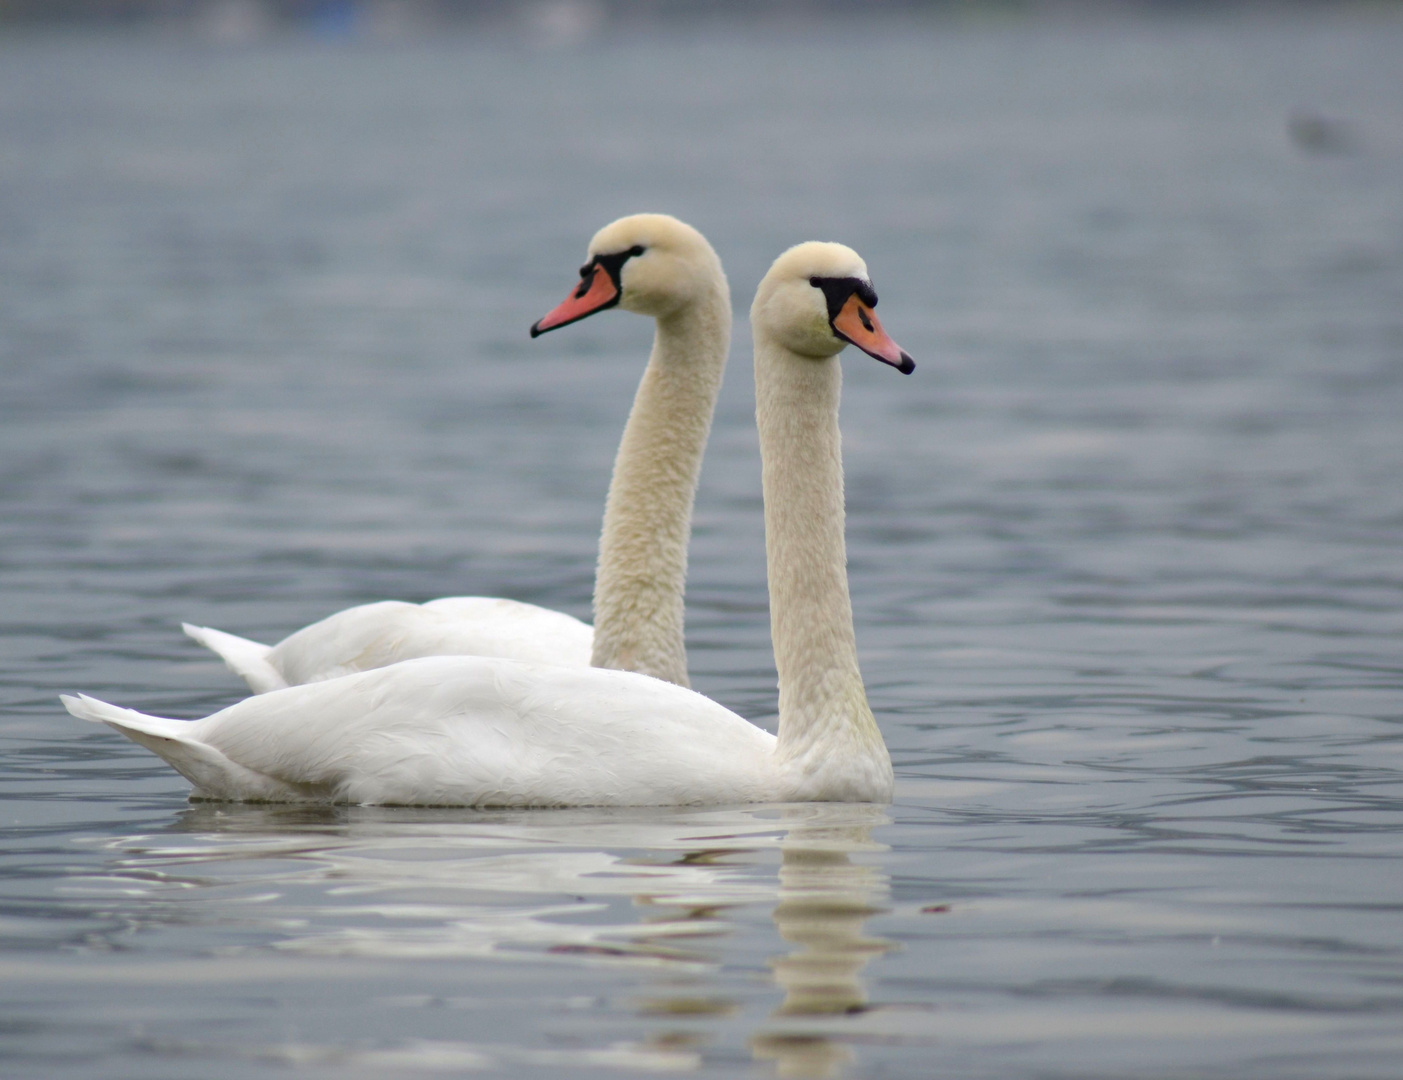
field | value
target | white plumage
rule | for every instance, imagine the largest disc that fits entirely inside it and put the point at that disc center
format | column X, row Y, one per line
column 376, row 635
column 464, row 731
column 474, row 730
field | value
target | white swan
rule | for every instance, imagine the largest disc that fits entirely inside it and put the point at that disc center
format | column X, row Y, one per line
column 652, row 264
column 468, row 730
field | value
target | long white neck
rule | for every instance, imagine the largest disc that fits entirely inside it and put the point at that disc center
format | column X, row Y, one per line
column 828, row 737
column 640, row 586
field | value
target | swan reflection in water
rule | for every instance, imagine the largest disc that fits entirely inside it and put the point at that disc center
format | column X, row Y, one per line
column 823, row 905
column 667, row 893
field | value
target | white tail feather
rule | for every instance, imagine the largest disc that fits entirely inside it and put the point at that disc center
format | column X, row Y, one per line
column 213, row 774
column 127, row 721
column 246, row 659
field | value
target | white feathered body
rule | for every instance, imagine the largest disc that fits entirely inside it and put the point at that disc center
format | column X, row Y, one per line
column 376, row 635
column 467, row 731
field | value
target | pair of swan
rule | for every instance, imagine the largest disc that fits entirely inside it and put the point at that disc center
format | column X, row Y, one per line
column 548, row 730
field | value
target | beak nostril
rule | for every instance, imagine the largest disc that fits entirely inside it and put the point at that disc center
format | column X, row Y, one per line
column 866, row 322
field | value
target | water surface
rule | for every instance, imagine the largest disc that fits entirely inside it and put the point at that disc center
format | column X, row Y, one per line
column 1124, row 549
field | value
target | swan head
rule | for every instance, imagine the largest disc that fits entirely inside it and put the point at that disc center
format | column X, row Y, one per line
column 651, row 264
column 818, row 299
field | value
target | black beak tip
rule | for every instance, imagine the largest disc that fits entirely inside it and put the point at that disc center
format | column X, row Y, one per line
column 536, row 330
column 907, row 365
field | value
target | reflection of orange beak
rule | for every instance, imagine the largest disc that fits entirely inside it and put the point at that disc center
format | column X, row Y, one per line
column 595, row 292
column 858, row 324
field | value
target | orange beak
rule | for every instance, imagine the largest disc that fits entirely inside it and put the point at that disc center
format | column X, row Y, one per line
column 595, row 292
column 858, row 324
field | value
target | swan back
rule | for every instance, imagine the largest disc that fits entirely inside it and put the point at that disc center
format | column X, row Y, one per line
column 466, row 731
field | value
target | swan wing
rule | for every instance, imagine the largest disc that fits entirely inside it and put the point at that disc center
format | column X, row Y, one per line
column 384, row 633
column 472, row 731
column 512, row 630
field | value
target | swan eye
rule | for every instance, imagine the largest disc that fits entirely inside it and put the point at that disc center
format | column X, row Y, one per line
column 815, row 282
column 586, row 280
column 637, row 249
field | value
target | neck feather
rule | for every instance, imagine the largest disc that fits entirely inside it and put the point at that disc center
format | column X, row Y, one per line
column 825, row 724
column 640, row 586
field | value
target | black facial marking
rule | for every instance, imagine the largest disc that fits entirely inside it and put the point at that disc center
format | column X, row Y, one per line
column 837, row 290
column 614, row 264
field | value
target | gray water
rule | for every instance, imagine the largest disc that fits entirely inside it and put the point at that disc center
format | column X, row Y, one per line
column 1125, row 549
